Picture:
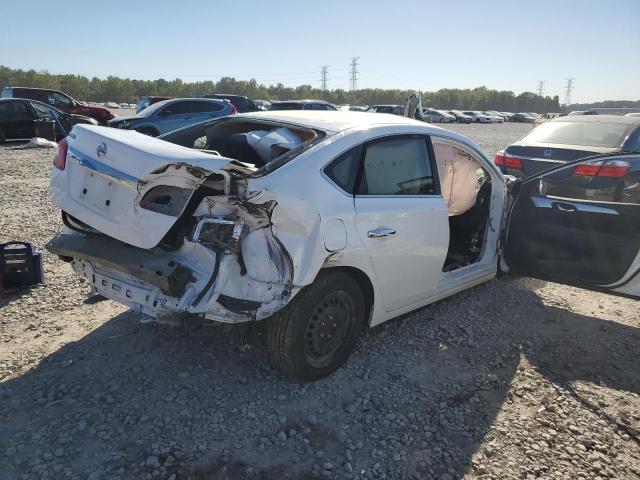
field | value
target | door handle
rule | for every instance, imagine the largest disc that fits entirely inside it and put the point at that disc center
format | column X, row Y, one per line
column 380, row 232
column 564, row 207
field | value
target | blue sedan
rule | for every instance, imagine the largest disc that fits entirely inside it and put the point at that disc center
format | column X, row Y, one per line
column 172, row 114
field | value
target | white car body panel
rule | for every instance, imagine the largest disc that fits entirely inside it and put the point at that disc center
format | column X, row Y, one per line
column 414, row 255
column 103, row 192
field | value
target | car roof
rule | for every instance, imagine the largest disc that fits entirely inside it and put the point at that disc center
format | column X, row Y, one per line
column 300, row 101
column 225, row 95
column 31, row 88
column 178, row 100
column 598, row 119
column 336, row 121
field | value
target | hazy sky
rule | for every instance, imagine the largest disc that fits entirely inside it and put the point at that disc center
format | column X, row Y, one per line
column 426, row 45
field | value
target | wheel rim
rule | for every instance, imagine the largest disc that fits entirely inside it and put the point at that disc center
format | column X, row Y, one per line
column 327, row 328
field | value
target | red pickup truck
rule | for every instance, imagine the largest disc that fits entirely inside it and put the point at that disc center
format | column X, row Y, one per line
column 61, row 101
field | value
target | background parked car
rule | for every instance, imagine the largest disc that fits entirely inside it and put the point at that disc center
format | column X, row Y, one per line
column 242, row 104
column 438, row 116
column 461, row 117
column 263, row 104
column 394, row 109
column 494, row 116
column 302, row 105
column 569, row 138
column 144, row 102
column 478, row 117
column 172, row 114
column 61, row 101
column 522, row 118
column 18, row 117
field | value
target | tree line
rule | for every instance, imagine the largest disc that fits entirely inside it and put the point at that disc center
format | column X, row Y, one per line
column 116, row 89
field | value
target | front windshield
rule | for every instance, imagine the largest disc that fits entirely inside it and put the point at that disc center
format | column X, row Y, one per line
column 593, row 134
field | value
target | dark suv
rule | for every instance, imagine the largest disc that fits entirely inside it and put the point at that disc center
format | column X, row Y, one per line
column 302, row 105
column 61, row 101
column 242, row 104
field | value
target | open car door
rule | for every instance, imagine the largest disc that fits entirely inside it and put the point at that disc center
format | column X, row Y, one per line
column 579, row 224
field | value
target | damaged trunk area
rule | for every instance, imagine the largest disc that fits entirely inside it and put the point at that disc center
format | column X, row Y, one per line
column 182, row 237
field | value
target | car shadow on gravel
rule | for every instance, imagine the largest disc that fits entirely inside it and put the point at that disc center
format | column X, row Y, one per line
column 415, row 400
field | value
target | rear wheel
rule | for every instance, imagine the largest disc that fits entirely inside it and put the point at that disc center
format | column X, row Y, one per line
column 477, row 120
column 315, row 334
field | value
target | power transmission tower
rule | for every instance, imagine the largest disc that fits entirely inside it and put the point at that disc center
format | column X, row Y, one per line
column 353, row 75
column 323, row 77
column 540, row 88
column 568, row 90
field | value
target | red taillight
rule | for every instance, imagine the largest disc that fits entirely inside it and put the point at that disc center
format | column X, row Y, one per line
column 613, row 168
column 233, row 109
column 506, row 161
column 60, row 160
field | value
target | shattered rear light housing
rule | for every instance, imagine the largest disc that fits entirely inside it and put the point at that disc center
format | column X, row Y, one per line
column 60, row 160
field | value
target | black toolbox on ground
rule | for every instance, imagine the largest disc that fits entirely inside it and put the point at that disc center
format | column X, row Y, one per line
column 20, row 265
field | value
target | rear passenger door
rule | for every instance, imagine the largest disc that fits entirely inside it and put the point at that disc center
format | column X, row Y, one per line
column 20, row 119
column 402, row 218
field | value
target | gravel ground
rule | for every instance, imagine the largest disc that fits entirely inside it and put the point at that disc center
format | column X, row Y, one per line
column 517, row 378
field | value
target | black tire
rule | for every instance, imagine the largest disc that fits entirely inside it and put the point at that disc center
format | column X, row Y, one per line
column 147, row 131
column 301, row 341
column 477, row 120
column 441, row 120
column 3, row 136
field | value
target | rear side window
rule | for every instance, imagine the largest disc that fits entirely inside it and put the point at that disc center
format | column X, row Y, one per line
column 199, row 107
column 55, row 98
column 286, row 106
column 344, row 169
column 398, row 166
column 25, row 93
column 633, row 144
column 177, row 108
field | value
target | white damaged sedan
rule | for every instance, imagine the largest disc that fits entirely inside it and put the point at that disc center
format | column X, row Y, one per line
column 324, row 223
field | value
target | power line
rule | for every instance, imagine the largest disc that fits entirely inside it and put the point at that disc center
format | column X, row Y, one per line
column 353, row 74
column 540, row 88
column 568, row 90
column 323, row 77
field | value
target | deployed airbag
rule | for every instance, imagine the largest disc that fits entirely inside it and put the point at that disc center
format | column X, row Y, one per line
column 269, row 145
column 458, row 177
